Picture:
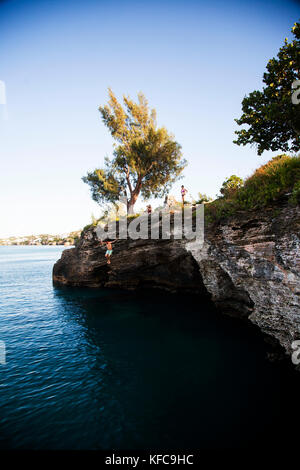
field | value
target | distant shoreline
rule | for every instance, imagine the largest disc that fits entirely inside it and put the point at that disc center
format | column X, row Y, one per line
column 23, row 244
column 66, row 239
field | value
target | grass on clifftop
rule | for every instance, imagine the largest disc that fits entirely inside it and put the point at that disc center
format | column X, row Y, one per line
column 268, row 183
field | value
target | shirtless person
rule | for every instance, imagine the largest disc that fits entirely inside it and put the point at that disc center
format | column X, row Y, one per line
column 108, row 249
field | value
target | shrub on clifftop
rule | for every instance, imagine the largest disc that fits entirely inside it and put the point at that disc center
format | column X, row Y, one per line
column 268, row 183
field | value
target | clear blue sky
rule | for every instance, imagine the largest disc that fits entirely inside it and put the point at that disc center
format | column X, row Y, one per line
column 194, row 61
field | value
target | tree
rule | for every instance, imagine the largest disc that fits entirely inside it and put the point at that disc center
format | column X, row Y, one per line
column 272, row 117
column 202, row 197
column 230, row 185
column 146, row 159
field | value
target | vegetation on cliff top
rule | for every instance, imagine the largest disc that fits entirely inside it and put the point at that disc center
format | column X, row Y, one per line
column 279, row 176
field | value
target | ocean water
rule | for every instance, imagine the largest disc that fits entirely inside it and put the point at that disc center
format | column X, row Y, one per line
column 100, row 369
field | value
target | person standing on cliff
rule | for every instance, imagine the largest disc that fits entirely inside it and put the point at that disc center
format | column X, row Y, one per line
column 108, row 249
column 183, row 193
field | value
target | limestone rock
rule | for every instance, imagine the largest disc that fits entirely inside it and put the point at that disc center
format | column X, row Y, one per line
column 248, row 265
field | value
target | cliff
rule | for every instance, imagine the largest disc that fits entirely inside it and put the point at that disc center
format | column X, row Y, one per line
column 248, row 265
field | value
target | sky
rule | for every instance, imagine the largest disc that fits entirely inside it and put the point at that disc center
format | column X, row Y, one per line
column 193, row 60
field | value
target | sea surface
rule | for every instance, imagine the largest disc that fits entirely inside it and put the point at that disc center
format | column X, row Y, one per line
column 100, row 369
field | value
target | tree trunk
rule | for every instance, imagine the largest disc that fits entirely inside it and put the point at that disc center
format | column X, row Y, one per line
column 130, row 207
column 130, row 204
column 133, row 196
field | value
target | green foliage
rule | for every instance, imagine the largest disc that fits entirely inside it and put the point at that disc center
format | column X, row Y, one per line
column 219, row 209
column 202, row 197
column 270, row 181
column 146, row 159
column 279, row 176
column 103, row 183
column 230, row 185
column 133, row 216
column 295, row 197
column 94, row 219
column 273, row 120
column 91, row 225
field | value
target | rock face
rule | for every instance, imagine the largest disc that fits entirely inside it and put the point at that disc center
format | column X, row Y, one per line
column 249, row 266
column 163, row 264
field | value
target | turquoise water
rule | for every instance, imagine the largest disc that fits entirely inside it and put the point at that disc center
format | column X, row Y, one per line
column 99, row 369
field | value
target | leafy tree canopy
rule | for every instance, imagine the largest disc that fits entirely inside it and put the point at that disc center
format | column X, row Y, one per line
column 273, row 120
column 146, row 159
column 230, row 185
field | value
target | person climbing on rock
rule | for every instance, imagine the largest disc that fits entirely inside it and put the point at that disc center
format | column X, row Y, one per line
column 108, row 249
column 183, row 193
